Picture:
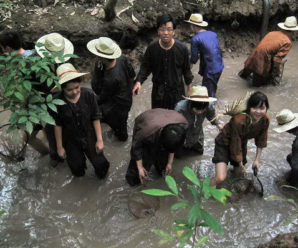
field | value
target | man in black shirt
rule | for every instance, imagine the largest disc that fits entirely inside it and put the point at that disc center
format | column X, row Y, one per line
column 77, row 130
column 112, row 81
column 168, row 61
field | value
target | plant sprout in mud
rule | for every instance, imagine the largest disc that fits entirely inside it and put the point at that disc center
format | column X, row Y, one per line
column 185, row 230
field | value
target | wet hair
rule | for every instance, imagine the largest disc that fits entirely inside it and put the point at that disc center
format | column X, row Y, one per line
column 257, row 99
column 11, row 39
column 199, row 105
column 75, row 80
column 172, row 137
column 163, row 19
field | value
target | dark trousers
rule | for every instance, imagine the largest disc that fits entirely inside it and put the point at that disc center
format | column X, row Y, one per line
column 293, row 176
column 76, row 153
column 116, row 118
column 211, row 84
column 49, row 130
column 150, row 157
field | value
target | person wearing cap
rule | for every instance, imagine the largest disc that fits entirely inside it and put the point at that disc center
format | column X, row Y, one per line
column 231, row 142
column 112, row 81
column 168, row 61
column 205, row 46
column 78, row 130
column 266, row 61
column 195, row 108
column 157, row 134
column 288, row 122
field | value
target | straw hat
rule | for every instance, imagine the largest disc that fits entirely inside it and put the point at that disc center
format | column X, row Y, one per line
column 200, row 94
column 286, row 120
column 289, row 24
column 54, row 43
column 67, row 72
column 197, row 19
column 104, row 47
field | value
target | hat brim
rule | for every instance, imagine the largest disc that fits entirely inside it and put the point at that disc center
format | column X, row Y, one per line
column 282, row 26
column 68, row 49
column 91, row 46
column 209, row 99
column 287, row 126
column 202, row 24
column 70, row 76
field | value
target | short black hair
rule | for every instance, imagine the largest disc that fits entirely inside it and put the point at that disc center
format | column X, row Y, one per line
column 75, row 80
column 11, row 39
column 172, row 137
column 257, row 99
column 163, row 19
column 199, row 105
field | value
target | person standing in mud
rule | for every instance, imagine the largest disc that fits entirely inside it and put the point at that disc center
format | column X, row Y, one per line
column 157, row 134
column 167, row 59
column 266, row 60
column 195, row 108
column 205, row 46
column 112, row 81
column 231, row 143
column 288, row 122
column 78, row 130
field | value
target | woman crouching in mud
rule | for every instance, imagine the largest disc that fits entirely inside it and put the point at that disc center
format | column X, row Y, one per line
column 231, row 143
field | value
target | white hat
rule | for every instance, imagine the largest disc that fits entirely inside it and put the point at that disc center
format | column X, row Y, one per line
column 200, row 94
column 67, row 72
column 286, row 120
column 197, row 19
column 104, row 47
column 54, row 43
column 289, row 24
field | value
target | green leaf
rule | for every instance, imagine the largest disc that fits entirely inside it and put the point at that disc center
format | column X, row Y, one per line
column 23, row 119
column 49, row 82
column 19, row 96
column 163, row 234
column 194, row 193
column 202, row 240
column 194, row 215
column 34, row 99
column 58, row 102
column 180, row 227
column 49, row 98
column 182, row 204
column 44, row 107
column 186, row 237
column 206, row 188
column 172, row 184
column 191, row 176
column 29, row 127
column 27, row 85
column 48, row 119
column 218, row 195
column 43, row 78
column 211, row 222
column 52, row 106
column 156, row 192
column 33, row 119
column 2, row 212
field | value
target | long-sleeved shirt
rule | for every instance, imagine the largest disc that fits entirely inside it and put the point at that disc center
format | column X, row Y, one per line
column 239, row 130
column 148, row 126
column 114, row 86
column 169, row 68
column 273, row 47
column 205, row 45
column 195, row 133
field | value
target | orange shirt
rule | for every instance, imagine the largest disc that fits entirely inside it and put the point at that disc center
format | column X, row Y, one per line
column 273, row 47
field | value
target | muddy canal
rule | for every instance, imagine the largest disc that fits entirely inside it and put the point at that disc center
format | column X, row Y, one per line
column 48, row 207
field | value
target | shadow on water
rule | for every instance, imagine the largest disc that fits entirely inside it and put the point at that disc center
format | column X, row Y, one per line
column 48, row 207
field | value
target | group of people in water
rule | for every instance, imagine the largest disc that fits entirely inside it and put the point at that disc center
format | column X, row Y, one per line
column 174, row 125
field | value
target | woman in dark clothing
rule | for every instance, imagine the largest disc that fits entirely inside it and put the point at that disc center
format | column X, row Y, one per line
column 231, row 143
column 112, row 81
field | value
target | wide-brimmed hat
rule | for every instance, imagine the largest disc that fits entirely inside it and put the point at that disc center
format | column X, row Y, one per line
column 54, row 43
column 197, row 19
column 104, row 47
column 67, row 72
column 289, row 24
column 286, row 120
column 200, row 94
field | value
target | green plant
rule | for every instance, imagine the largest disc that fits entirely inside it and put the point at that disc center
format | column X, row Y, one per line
column 18, row 80
column 292, row 217
column 186, row 230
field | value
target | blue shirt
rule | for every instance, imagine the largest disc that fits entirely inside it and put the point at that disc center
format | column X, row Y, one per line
column 205, row 45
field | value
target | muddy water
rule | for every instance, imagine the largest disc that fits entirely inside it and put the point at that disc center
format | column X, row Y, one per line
column 47, row 207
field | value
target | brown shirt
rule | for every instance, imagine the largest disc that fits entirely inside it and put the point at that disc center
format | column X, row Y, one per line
column 239, row 130
column 273, row 47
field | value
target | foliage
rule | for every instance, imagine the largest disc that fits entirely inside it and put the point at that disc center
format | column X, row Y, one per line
column 18, row 81
column 292, row 217
column 186, row 230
